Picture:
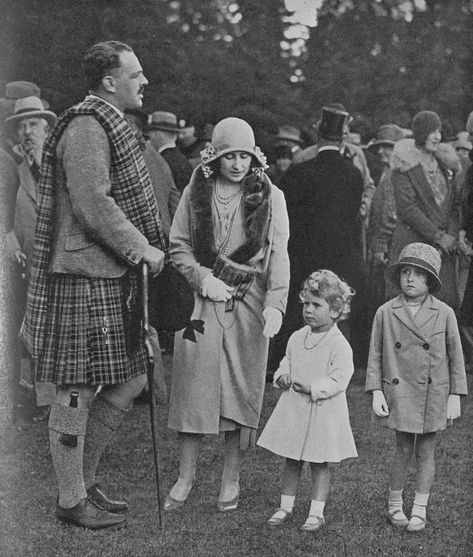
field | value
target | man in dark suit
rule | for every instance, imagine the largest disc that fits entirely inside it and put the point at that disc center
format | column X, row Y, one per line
column 323, row 197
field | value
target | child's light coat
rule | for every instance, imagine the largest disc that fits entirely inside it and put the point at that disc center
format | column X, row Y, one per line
column 417, row 362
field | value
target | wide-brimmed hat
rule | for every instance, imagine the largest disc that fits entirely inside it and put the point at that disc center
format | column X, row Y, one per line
column 229, row 135
column 388, row 134
column 419, row 255
column 29, row 107
column 332, row 123
column 17, row 90
column 164, row 121
column 288, row 135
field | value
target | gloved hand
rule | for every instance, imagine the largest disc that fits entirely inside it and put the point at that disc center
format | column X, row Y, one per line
column 272, row 321
column 216, row 289
column 453, row 407
column 446, row 243
column 464, row 244
column 380, row 406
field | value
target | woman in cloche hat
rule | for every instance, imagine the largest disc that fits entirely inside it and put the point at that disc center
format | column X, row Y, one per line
column 229, row 238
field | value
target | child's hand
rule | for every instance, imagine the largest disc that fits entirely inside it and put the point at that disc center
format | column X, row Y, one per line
column 453, row 407
column 301, row 388
column 284, row 382
column 380, row 406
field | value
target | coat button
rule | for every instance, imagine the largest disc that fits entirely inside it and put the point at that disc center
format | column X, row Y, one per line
column 395, row 381
column 398, row 345
column 429, row 380
column 425, row 346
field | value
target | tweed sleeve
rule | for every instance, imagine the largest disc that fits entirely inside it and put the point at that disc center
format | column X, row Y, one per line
column 86, row 162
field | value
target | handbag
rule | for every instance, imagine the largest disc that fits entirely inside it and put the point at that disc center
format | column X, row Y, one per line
column 238, row 275
column 170, row 300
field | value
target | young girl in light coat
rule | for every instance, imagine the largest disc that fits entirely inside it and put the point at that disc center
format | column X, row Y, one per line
column 310, row 422
column 416, row 374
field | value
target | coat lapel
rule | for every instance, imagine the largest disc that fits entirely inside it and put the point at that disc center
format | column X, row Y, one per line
column 421, row 325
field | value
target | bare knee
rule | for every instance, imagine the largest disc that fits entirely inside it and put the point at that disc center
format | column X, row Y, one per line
column 123, row 394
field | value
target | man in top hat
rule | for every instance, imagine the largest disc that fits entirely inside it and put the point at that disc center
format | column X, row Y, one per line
column 30, row 125
column 351, row 152
column 98, row 222
column 163, row 131
column 323, row 200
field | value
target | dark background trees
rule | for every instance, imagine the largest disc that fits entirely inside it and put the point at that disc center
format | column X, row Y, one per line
column 205, row 59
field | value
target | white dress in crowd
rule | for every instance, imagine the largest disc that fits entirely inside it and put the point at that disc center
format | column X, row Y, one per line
column 315, row 427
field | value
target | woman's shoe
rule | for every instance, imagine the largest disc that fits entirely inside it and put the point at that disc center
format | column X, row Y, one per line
column 280, row 517
column 416, row 525
column 313, row 523
column 397, row 518
column 171, row 504
column 232, row 505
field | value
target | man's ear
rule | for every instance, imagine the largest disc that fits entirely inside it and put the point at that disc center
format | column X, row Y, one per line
column 108, row 83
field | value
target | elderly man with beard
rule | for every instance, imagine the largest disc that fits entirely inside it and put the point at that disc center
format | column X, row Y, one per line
column 30, row 125
column 97, row 223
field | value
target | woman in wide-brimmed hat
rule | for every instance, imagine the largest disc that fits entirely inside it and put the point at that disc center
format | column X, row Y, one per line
column 229, row 238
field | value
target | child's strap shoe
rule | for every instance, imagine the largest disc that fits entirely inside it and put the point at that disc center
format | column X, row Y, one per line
column 313, row 523
column 416, row 523
column 279, row 518
column 397, row 518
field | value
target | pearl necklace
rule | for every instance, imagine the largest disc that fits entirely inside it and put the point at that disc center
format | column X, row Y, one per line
column 317, row 343
column 226, row 200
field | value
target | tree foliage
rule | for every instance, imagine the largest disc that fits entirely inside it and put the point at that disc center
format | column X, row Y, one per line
column 206, row 59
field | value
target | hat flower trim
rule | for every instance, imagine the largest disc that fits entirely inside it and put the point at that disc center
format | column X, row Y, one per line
column 209, row 154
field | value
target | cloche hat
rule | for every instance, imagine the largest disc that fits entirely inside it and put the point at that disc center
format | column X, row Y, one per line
column 388, row 134
column 229, row 135
column 420, row 255
column 423, row 124
column 29, row 107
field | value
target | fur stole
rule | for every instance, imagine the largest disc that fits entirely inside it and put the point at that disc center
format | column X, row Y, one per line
column 406, row 156
column 256, row 207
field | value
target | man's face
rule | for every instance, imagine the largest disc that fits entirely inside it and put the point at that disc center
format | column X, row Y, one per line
column 128, row 82
column 32, row 133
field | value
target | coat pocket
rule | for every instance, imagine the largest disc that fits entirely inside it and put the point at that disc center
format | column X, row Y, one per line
column 75, row 242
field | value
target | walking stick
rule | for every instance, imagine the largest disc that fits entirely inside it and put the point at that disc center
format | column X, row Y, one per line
column 150, row 375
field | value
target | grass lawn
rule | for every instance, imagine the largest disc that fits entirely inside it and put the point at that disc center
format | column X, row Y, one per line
column 355, row 512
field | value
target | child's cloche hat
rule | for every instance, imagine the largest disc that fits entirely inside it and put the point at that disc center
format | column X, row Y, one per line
column 419, row 255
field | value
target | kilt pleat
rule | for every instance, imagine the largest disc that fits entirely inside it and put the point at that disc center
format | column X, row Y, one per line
column 87, row 338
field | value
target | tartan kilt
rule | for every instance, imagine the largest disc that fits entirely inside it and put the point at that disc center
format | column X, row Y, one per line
column 93, row 332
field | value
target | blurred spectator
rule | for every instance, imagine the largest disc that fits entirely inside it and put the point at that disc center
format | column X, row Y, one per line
column 427, row 198
column 163, row 131
column 204, row 137
column 30, row 124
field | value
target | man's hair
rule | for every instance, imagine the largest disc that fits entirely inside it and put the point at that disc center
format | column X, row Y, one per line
column 100, row 59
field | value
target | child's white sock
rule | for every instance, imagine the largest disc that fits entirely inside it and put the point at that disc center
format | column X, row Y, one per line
column 394, row 500
column 317, row 508
column 419, row 508
column 287, row 502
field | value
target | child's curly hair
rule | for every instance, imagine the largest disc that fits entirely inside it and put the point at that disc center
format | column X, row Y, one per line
column 335, row 291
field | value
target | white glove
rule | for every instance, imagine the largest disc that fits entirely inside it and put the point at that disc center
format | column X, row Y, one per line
column 272, row 321
column 380, row 406
column 216, row 289
column 453, row 407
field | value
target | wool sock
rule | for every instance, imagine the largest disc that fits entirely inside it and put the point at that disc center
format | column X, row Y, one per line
column 104, row 419
column 287, row 502
column 317, row 508
column 67, row 459
column 419, row 508
column 395, row 500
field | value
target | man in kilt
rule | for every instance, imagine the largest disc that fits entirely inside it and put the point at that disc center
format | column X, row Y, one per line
column 97, row 222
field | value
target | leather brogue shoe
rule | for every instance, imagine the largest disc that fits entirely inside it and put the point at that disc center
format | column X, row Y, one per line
column 98, row 496
column 88, row 514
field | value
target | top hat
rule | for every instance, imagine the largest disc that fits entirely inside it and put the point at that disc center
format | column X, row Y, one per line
column 288, row 135
column 420, row 255
column 164, row 121
column 388, row 134
column 29, row 107
column 332, row 123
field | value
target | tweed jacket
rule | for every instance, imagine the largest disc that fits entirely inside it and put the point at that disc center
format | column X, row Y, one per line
column 417, row 362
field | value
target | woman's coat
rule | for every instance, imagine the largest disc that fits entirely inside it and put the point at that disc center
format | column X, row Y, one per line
column 219, row 368
column 417, row 362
